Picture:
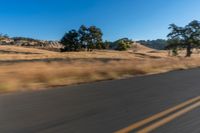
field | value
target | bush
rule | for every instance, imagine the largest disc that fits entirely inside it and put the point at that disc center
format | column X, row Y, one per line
column 122, row 46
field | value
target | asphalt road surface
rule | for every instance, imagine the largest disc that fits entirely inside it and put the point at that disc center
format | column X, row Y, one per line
column 164, row 103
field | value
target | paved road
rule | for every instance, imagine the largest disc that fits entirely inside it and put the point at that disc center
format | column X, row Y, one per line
column 105, row 107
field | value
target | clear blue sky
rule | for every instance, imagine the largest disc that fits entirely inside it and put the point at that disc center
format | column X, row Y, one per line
column 135, row 19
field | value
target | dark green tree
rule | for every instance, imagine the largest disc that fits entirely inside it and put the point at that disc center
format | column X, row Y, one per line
column 86, row 38
column 91, row 37
column 71, row 41
column 188, row 36
column 95, row 38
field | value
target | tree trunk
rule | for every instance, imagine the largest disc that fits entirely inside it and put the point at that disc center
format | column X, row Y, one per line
column 189, row 51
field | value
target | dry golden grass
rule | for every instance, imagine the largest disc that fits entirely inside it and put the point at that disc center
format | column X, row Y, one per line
column 36, row 75
column 24, row 76
column 71, row 55
column 23, row 49
column 44, row 54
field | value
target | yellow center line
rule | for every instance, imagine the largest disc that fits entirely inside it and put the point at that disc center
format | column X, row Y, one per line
column 169, row 118
column 157, row 116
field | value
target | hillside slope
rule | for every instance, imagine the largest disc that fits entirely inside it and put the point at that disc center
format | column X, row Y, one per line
column 24, row 53
column 29, row 68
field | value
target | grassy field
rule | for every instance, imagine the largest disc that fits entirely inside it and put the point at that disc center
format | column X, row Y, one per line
column 23, row 69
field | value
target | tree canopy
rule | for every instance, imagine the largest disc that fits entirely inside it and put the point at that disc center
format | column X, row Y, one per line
column 86, row 38
column 186, row 37
column 71, row 41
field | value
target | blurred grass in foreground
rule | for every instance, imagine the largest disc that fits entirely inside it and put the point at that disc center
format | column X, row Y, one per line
column 40, row 75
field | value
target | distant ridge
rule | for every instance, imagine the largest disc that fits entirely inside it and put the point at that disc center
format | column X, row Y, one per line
column 159, row 44
column 32, row 43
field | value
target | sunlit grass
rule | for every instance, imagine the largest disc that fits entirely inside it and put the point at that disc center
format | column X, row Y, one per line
column 40, row 75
